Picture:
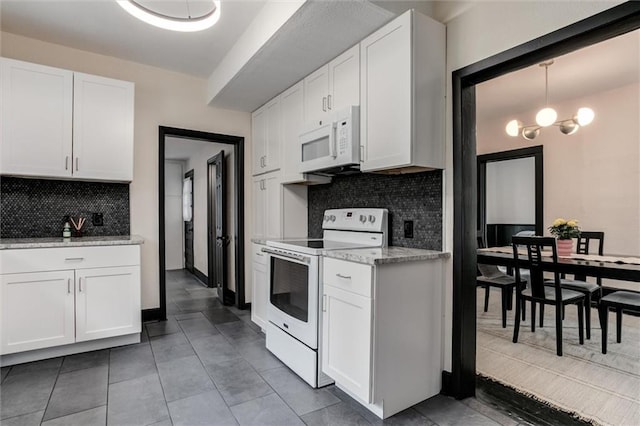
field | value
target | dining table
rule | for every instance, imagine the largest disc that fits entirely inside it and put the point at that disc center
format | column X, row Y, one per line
column 614, row 267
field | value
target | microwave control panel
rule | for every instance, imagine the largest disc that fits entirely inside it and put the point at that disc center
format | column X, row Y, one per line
column 343, row 137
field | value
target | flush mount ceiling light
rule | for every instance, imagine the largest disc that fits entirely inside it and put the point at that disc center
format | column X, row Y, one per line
column 548, row 116
column 179, row 19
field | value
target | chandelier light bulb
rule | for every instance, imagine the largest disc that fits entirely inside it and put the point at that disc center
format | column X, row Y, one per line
column 546, row 117
column 172, row 23
column 585, row 116
column 513, row 128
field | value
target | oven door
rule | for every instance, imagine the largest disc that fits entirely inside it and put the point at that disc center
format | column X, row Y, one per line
column 293, row 294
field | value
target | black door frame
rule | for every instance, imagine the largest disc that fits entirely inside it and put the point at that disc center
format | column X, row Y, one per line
column 461, row 382
column 227, row 297
column 190, row 174
column 238, row 199
column 533, row 151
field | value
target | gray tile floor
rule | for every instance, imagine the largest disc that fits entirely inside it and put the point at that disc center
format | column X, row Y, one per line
column 206, row 365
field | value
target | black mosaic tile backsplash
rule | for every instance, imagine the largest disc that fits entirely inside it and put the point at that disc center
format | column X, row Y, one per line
column 416, row 196
column 37, row 207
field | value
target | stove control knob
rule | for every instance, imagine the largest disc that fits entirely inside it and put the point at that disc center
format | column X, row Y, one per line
column 332, row 218
column 372, row 218
column 363, row 218
column 326, row 218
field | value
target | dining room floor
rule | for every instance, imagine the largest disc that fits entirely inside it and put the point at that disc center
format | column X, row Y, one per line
column 206, row 365
column 599, row 388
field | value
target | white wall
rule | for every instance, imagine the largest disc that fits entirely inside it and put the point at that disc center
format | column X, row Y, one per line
column 173, row 222
column 511, row 191
column 162, row 98
column 484, row 30
column 592, row 175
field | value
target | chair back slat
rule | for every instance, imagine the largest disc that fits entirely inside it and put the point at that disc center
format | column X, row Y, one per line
column 535, row 246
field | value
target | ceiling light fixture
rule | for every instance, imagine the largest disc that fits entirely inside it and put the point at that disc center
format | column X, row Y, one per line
column 548, row 116
column 174, row 23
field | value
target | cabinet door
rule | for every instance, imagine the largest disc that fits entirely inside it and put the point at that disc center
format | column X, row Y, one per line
column 316, row 90
column 258, row 138
column 273, row 139
column 273, row 206
column 344, row 80
column 346, row 340
column 36, row 104
column 37, row 310
column 258, row 207
column 386, row 85
column 107, row 302
column 292, row 112
column 102, row 128
column 260, row 293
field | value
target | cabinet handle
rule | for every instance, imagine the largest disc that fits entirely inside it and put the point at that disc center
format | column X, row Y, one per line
column 80, row 285
column 264, row 161
column 329, row 101
column 324, row 303
column 344, row 277
column 66, row 162
column 362, row 153
column 264, row 185
column 68, row 285
column 324, row 103
column 74, row 258
column 76, row 164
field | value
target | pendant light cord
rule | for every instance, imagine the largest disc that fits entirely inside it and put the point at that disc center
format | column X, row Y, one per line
column 188, row 10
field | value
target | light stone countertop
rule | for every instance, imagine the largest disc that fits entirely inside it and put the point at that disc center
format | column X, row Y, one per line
column 23, row 243
column 379, row 256
column 262, row 241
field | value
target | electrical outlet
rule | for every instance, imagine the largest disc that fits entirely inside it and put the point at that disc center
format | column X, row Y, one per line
column 408, row 229
column 97, row 219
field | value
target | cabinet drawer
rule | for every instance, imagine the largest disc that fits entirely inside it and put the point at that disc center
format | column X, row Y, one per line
column 63, row 258
column 258, row 255
column 349, row 276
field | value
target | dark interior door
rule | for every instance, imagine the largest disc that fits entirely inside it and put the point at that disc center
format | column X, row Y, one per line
column 188, row 231
column 219, row 239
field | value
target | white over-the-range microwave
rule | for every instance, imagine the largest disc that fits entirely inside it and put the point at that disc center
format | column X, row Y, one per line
column 333, row 145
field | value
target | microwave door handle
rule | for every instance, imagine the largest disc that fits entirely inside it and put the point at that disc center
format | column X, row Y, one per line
column 332, row 141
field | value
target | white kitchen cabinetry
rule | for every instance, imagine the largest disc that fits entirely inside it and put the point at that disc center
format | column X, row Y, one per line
column 402, row 88
column 334, row 86
column 292, row 109
column 102, row 128
column 381, row 331
column 36, row 111
column 267, row 206
column 260, row 293
column 266, row 126
column 61, row 124
column 67, row 296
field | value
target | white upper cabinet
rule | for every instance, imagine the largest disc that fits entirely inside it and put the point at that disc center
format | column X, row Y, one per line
column 402, row 88
column 291, row 106
column 36, row 104
column 102, row 128
column 332, row 87
column 267, row 206
column 61, row 124
column 267, row 136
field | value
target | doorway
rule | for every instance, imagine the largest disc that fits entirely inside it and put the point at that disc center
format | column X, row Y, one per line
column 232, row 281
column 611, row 23
column 187, row 206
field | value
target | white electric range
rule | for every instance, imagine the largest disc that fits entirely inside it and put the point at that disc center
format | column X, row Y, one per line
column 294, row 271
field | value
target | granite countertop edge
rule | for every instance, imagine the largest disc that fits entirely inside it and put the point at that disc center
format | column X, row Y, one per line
column 380, row 256
column 24, row 243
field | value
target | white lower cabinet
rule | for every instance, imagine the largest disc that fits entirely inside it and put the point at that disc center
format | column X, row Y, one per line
column 382, row 331
column 87, row 294
column 37, row 310
column 260, row 299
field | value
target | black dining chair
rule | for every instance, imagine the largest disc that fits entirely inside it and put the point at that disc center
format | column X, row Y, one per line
column 620, row 301
column 490, row 276
column 540, row 291
column 583, row 246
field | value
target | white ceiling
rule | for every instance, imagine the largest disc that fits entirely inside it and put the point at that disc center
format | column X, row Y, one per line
column 600, row 67
column 182, row 149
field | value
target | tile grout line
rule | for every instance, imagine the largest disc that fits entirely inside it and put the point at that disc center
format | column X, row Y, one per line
column 155, row 364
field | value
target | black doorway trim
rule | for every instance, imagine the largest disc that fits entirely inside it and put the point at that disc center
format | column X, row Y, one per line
column 238, row 181
column 513, row 154
column 608, row 24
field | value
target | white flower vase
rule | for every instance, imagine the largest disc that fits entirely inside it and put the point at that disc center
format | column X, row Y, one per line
column 565, row 247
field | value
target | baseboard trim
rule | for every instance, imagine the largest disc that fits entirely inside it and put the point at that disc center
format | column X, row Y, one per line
column 446, row 383
column 202, row 277
column 151, row 314
column 229, row 298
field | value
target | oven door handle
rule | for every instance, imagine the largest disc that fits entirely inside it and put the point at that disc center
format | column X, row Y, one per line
column 298, row 257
